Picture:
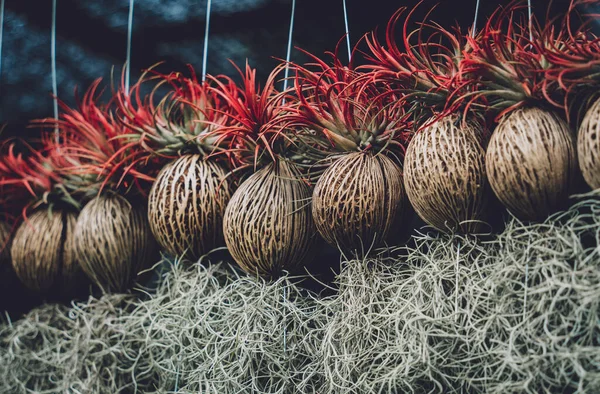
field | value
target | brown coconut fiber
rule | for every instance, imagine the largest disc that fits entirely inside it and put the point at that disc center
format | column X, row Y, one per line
column 531, row 162
column 113, row 241
column 588, row 146
column 186, row 206
column 444, row 175
column 268, row 226
column 358, row 200
column 42, row 250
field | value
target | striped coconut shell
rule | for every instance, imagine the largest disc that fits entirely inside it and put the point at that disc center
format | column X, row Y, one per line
column 186, row 206
column 531, row 162
column 113, row 241
column 267, row 225
column 358, row 201
column 588, row 146
column 42, row 251
column 5, row 243
column 444, row 175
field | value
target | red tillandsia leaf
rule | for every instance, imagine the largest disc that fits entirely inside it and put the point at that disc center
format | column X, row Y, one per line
column 256, row 129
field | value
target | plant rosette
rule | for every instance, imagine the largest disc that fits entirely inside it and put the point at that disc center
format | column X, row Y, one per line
column 444, row 166
column 113, row 241
column 187, row 201
column 268, row 225
column 41, row 250
column 530, row 158
column 353, row 136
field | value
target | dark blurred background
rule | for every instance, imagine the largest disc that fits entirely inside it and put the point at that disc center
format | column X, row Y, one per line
column 92, row 40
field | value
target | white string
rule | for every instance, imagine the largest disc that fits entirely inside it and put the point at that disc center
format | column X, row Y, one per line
column 205, row 54
column 530, row 19
column 289, row 48
column 1, row 33
column 53, row 61
column 347, row 31
column 474, row 31
column 128, row 60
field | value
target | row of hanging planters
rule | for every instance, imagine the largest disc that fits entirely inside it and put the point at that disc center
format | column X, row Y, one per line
column 439, row 118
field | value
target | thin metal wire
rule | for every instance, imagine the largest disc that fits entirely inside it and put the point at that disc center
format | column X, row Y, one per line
column 205, row 53
column 129, row 33
column 529, row 10
column 289, row 47
column 1, row 34
column 53, row 61
column 474, row 30
column 347, row 31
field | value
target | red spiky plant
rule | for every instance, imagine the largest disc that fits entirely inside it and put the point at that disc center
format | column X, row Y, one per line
column 41, row 251
column 188, row 199
column 268, row 226
column 112, row 239
column 444, row 170
column 354, row 133
column 575, row 71
column 530, row 159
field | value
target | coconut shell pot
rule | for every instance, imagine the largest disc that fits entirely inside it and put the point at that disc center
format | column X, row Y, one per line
column 186, row 206
column 588, row 146
column 531, row 162
column 268, row 226
column 42, row 251
column 5, row 243
column 113, row 241
column 445, row 177
column 358, row 201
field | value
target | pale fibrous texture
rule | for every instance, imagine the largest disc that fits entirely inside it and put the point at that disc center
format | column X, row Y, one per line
column 531, row 162
column 113, row 241
column 42, row 251
column 186, row 206
column 268, row 226
column 444, row 175
column 588, row 146
column 358, row 200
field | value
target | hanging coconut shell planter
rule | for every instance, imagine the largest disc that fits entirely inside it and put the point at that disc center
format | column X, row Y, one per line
column 267, row 225
column 188, row 199
column 113, row 241
column 531, row 160
column 588, row 146
column 41, row 252
column 353, row 137
column 444, row 167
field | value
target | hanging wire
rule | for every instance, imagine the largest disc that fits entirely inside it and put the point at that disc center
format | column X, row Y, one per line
column 53, row 61
column 128, row 59
column 529, row 10
column 289, row 47
column 1, row 33
column 474, row 31
column 205, row 53
column 347, row 31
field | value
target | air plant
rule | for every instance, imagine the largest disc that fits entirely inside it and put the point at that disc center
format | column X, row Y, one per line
column 267, row 225
column 113, row 241
column 353, row 138
column 444, row 166
column 531, row 158
column 188, row 199
column 42, row 249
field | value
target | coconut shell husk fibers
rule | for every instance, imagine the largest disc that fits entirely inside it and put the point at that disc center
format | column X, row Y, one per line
column 113, row 241
column 531, row 162
column 358, row 200
column 42, row 251
column 588, row 146
column 186, row 206
column 444, row 175
column 267, row 225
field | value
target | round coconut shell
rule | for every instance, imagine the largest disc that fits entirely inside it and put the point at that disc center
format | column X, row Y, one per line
column 267, row 225
column 186, row 206
column 113, row 241
column 588, row 146
column 531, row 162
column 42, row 251
column 358, row 201
column 444, row 175
column 5, row 244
